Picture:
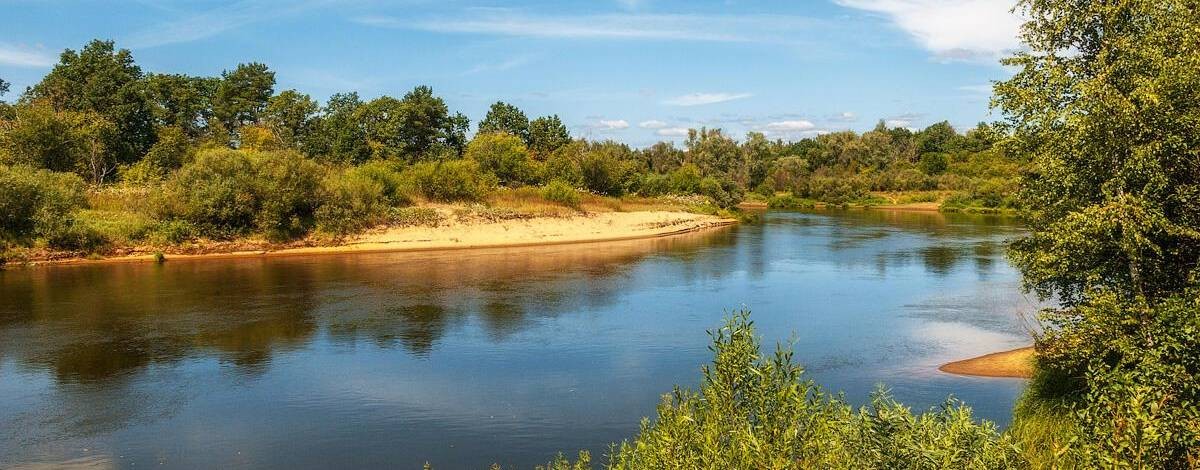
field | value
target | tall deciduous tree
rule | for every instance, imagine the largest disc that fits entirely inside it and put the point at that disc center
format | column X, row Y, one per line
column 505, row 118
column 106, row 81
column 182, row 101
column 289, row 116
column 547, row 134
column 1105, row 104
column 242, row 94
column 337, row 135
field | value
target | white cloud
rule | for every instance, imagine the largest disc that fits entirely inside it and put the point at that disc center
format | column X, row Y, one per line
column 672, row 132
column 844, row 117
column 612, row 125
column 652, row 124
column 791, row 126
column 696, row 99
column 952, row 29
column 679, row 27
column 18, row 56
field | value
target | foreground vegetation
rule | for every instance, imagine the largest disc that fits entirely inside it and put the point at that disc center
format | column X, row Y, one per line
column 101, row 157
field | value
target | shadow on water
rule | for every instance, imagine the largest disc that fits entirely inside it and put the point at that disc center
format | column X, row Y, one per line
column 468, row 357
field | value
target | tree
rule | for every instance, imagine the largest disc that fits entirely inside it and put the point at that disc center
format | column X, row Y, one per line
column 336, row 134
column 505, row 118
column 106, row 81
column 547, row 134
column 182, row 101
column 1105, row 104
column 414, row 128
column 712, row 151
column 242, row 94
column 3, row 87
column 65, row 141
column 289, row 117
column 940, row 137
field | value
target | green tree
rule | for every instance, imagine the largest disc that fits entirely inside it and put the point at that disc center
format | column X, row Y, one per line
column 337, row 135
column 414, row 128
column 106, row 81
column 182, row 101
column 1105, row 104
column 242, row 94
column 940, row 137
column 289, row 116
column 547, row 134
column 65, row 141
column 505, row 118
column 712, row 151
column 3, row 87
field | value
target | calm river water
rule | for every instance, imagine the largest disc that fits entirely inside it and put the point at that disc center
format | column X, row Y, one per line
column 472, row 357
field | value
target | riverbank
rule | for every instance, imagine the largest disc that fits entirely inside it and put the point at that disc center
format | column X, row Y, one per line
column 1017, row 363
column 450, row 229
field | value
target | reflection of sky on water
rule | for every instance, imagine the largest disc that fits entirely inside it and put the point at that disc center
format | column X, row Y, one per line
column 470, row 357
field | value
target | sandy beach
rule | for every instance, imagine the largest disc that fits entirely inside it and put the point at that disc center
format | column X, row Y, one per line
column 1017, row 363
column 451, row 234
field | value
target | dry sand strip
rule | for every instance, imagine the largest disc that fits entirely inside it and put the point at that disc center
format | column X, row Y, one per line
column 455, row 235
column 1017, row 363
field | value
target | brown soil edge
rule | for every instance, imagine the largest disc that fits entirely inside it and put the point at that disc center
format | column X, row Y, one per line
column 347, row 248
column 1017, row 363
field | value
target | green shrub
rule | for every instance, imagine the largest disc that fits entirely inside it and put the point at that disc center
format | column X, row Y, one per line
column 225, row 192
column 686, row 179
column 451, row 180
column 562, row 193
column 756, row 411
column 39, row 204
column 415, row 217
column 352, row 201
column 603, row 171
column 933, row 163
column 561, row 165
column 503, row 155
column 654, row 184
column 790, row 201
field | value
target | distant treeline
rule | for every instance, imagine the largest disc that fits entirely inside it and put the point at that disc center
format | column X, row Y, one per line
column 230, row 155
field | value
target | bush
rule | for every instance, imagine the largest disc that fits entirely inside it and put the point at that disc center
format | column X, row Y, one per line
column 933, row 163
column 603, row 172
column 352, row 201
column 561, row 165
column 39, row 204
column 451, row 180
column 686, row 179
column 562, row 193
column 755, row 411
column 654, row 184
column 225, row 192
column 503, row 155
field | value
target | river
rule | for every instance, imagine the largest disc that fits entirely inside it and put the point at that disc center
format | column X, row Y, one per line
column 466, row 358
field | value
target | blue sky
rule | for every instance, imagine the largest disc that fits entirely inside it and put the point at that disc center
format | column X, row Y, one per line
column 638, row 71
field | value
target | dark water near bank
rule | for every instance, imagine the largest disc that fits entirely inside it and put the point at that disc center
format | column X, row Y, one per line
column 472, row 357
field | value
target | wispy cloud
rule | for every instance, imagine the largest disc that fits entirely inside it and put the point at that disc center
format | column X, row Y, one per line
column 952, row 29
column 906, row 120
column 844, row 117
column 19, row 56
column 200, row 25
column 791, row 126
column 672, row 132
column 501, row 66
column 652, row 124
column 681, row 27
column 697, row 99
column 616, row 124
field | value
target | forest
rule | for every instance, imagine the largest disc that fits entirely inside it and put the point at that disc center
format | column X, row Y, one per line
column 101, row 156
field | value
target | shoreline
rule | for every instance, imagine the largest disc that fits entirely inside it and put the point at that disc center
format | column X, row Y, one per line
column 455, row 235
column 1015, row 363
